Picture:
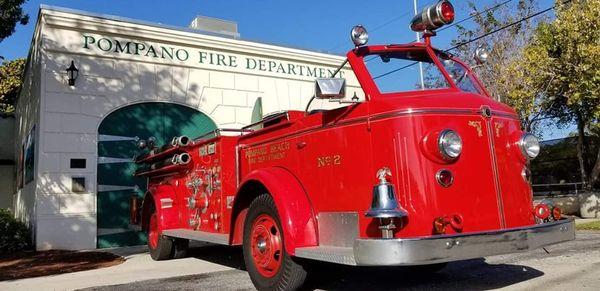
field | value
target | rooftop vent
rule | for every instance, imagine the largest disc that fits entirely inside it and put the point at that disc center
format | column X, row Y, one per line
column 215, row 26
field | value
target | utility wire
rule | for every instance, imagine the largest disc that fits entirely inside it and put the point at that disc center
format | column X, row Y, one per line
column 506, row 26
column 464, row 19
column 385, row 24
column 481, row 36
column 475, row 15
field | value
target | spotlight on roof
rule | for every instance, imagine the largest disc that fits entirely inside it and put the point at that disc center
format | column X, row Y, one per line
column 433, row 17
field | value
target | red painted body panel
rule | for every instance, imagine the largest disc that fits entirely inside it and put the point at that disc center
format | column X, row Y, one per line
column 168, row 217
column 326, row 162
column 293, row 205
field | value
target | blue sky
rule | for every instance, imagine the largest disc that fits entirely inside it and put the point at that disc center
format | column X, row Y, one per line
column 315, row 25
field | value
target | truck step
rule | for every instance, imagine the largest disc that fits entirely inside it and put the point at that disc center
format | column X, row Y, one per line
column 216, row 238
column 338, row 255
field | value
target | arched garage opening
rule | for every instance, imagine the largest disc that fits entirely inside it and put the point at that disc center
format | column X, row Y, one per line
column 117, row 147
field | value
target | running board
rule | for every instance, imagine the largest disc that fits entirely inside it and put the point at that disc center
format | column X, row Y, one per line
column 338, row 255
column 216, row 238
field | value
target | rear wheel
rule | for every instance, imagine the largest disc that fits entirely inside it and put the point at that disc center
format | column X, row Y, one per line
column 180, row 248
column 160, row 246
column 268, row 264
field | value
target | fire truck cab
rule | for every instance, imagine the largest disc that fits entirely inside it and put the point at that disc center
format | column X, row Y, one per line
column 415, row 174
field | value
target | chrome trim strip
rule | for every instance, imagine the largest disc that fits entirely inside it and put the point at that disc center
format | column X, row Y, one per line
column 111, row 160
column 505, row 114
column 218, row 132
column 166, row 203
column 423, row 111
column 267, row 119
column 439, row 249
column 238, row 177
column 376, row 117
column 337, row 255
column 443, row 248
column 107, row 138
column 217, row 238
column 497, row 186
column 109, row 188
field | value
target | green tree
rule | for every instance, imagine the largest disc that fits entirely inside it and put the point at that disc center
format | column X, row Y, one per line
column 499, row 75
column 10, row 84
column 11, row 13
column 561, row 70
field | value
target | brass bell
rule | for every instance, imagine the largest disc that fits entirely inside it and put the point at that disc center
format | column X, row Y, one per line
column 384, row 204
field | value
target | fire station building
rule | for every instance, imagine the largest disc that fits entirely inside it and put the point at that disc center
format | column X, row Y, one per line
column 76, row 130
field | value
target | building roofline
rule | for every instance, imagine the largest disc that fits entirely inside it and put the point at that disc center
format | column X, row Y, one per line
column 171, row 27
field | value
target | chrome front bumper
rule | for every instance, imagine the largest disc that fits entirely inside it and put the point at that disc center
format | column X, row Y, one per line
column 443, row 248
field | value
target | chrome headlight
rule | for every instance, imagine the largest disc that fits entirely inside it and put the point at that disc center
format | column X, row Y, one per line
column 530, row 146
column 450, row 144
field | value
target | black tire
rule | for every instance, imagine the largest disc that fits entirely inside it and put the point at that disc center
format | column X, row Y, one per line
column 164, row 245
column 180, row 248
column 290, row 275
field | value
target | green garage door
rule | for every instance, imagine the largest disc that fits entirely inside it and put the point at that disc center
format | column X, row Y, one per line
column 117, row 137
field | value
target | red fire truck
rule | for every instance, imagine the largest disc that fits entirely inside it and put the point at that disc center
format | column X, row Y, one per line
column 414, row 174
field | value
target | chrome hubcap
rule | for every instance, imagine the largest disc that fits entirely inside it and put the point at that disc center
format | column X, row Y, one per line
column 261, row 245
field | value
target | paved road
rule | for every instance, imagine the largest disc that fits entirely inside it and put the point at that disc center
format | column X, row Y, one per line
column 570, row 266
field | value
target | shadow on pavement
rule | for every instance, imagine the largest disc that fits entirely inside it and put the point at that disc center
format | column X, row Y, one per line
column 223, row 255
column 474, row 274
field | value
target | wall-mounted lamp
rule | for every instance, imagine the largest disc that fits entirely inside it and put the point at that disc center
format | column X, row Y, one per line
column 72, row 73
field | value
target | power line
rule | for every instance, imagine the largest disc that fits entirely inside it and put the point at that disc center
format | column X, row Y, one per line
column 482, row 36
column 463, row 20
column 385, row 24
column 506, row 26
column 475, row 15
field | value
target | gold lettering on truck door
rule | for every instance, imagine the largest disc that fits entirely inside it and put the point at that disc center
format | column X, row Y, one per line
column 333, row 160
column 498, row 126
column 477, row 126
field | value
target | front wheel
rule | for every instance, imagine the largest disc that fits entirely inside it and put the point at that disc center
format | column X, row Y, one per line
column 268, row 264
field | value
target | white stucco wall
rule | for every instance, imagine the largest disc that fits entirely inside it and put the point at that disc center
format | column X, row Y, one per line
column 70, row 116
column 27, row 115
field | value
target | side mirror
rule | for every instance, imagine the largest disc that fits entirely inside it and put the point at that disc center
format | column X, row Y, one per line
column 330, row 88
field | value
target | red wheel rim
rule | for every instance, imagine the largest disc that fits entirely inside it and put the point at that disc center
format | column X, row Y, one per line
column 153, row 232
column 266, row 245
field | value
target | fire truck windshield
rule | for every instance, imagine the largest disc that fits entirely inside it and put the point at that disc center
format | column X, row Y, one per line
column 463, row 79
column 401, row 72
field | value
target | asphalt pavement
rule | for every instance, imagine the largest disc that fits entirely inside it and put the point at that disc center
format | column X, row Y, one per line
column 573, row 265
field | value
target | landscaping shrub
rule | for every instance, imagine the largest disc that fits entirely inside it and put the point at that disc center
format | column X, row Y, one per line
column 14, row 235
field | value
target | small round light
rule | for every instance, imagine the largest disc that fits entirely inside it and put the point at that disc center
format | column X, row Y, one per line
column 556, row 213
column 530, row 146
column 447, row 11
column 444, row 177
column 450, row 144
column 481, row 55
column 542, row 211
column 359, row 35
column 457, row 222
column 439, row 225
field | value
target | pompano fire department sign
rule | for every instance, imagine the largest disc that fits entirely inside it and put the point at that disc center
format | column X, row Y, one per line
column 202, row 57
